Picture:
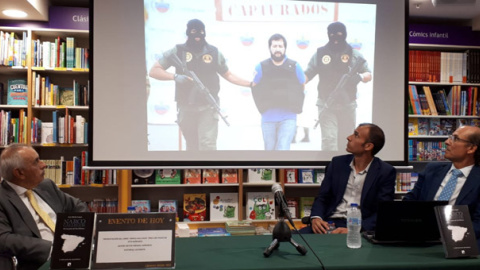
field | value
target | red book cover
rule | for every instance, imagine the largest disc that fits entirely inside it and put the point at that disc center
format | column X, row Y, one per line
column 194, row 207
column 211, row 176
column 229, row 176
column 291, row 176
column 192, row 176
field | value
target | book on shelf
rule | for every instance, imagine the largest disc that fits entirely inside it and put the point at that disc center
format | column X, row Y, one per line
column 412, row 126
column 430, row 101
column 229, row 176
column 423, row 126
column 414, row 99
column 456, row 231
column 260, row 206
column 168, row 206
column 291, row 176
column 306, row 176
column 210, row 176
column 79, row 129
column 192, row 176
column 194, row 207
column 223, row 206
column 72, row 242
column 292, row 204
column 261, row 175
column 208, row 232
column 17, row 92
column 435, row 127
column 46, row 133
column 66, row 96
column 448, row 126
column 168, row 176
column 2, row 94
column 305, row 206
column 319, row 175
column 77, row 170
column 141, row 206
column 146, row 176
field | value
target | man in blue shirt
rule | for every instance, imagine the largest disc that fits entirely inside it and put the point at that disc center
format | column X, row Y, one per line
column 278, row 92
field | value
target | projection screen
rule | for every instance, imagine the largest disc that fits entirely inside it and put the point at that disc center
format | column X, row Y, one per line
column 134, row 116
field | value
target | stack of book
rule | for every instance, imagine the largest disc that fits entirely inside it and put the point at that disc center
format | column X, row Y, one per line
column 240, row 227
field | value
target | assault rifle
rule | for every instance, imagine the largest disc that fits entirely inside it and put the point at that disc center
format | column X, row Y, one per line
column 340, row 85
column 199, row 85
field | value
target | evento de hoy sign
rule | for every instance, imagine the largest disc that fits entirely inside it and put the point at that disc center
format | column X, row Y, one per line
column 443, row 35
column 135, row 241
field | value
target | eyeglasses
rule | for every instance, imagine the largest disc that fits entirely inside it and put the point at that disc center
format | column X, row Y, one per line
column 455, row 138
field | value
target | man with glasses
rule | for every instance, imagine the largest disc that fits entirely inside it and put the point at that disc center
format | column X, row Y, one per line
column 457, row 182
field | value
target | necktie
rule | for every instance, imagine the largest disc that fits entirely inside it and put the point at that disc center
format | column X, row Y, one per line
column 42, row 214
column 450, row 186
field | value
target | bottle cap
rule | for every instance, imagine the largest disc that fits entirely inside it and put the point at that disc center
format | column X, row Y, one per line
column 354, row 205
column 131, row 208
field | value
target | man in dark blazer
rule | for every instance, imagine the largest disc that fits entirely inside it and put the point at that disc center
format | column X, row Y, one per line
column 463, row 150
column 358, row 178
column 23, row 234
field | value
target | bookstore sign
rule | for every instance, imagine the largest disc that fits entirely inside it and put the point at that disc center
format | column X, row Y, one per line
column 68, row 18
column 443, row 35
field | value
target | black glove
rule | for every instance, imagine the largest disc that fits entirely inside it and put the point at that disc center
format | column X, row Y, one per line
column 182, row 79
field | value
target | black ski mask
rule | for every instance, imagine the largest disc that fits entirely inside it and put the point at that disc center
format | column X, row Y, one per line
column 195, row 29
column 337, row 36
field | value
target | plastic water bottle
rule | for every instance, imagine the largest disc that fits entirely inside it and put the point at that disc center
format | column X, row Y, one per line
column 331, row 227
column 354, row 224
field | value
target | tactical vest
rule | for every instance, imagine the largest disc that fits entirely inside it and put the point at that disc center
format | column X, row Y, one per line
column 205, row 66
column 331, row 66
column 279, row 87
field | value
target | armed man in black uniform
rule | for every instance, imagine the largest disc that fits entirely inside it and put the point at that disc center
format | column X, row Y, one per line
column 337, row 105
column 197, row 118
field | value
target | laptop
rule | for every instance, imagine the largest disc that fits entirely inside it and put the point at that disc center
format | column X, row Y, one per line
column 406, row 222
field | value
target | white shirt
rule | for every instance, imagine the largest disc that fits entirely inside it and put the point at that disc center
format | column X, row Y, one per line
column 353, row 192
column 460, row 182
column 45, row 231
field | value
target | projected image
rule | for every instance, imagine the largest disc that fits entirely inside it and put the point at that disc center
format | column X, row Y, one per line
column 244, row 83
column 257, row 75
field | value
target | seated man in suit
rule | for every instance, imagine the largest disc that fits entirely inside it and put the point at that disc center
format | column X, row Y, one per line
column 463, row 150
column 359, row 177
column 25, row 232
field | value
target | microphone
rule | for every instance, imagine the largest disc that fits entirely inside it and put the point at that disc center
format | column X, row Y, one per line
column 282, row 202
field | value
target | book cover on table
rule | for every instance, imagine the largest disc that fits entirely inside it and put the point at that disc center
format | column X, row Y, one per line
column 456, row 231
column 72, row 243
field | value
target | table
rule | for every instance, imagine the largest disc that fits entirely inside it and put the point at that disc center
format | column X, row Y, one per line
column 246, row 253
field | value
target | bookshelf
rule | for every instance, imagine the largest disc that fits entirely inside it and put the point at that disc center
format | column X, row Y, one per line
column 58, row 85
column 443, row 95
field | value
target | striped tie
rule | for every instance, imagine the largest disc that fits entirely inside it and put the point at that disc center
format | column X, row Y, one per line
column 450, row 186
column 43, row 215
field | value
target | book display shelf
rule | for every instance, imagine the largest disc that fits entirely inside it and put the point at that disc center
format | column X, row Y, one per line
column 443, row 88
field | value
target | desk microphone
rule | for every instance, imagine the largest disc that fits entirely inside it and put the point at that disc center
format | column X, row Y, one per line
column 282, row 202
column 281, row 231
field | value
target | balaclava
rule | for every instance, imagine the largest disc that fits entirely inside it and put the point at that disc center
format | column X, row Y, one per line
column 200, row 33
column 333, row 29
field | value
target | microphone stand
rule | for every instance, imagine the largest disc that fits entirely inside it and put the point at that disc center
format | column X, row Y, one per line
column 282, row 233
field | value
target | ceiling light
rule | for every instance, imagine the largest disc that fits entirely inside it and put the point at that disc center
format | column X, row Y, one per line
column 14, row 13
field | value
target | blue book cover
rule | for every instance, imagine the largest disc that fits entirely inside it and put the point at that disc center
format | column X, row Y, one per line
column 17, row 92
column 204, row 232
